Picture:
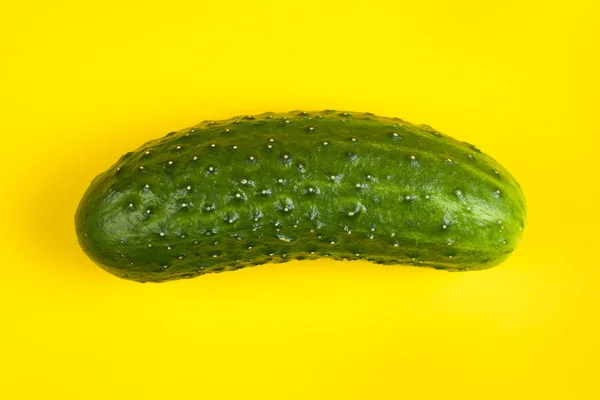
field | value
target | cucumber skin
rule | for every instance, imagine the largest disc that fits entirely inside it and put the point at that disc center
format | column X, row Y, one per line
column 275, row 187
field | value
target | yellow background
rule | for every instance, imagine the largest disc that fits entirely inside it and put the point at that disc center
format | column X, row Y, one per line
column 83, row 82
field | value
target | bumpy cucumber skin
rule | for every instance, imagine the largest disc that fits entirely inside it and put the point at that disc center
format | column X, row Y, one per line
column 275, row 187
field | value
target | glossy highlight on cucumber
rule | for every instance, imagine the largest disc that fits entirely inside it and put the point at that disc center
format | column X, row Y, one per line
column 274, row 187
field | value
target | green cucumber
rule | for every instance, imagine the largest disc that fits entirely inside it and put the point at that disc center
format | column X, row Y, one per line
column 275, row 187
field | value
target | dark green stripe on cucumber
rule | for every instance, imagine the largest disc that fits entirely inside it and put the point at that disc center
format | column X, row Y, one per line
column 275, row 187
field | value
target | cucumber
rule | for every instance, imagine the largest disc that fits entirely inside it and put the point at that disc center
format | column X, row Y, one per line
column 274, row 187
